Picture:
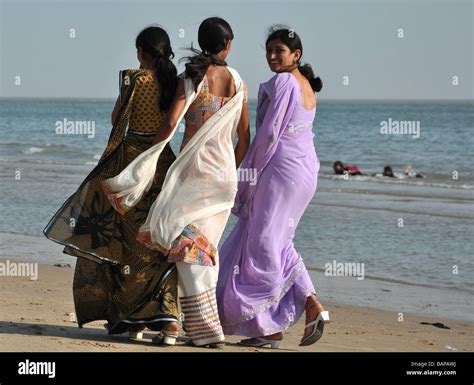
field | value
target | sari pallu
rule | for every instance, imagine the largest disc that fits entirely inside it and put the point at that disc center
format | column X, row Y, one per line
column 278, row 98
column 116, row 278
column 189, row 216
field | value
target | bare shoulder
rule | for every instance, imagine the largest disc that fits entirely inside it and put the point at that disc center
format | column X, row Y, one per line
column 308, row 96
column 220, row 80
column 218, row 72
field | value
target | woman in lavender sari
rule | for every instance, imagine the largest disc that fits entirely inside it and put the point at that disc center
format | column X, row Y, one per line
column 263, row 285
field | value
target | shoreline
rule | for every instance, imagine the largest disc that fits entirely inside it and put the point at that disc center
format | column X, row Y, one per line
column 37, row 317
column 377, row 293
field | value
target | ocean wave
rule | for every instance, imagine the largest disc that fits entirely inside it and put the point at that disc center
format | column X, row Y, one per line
column 399, row 180
column 65, row 162
column 55, row 149
column 33, row 150
column 412, row 194
column 411, row 281
column 22, row 144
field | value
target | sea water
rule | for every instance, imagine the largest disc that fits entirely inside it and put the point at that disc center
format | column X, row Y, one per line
column 412, row 230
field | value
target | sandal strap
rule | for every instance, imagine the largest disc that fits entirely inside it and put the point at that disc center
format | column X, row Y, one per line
column 322, row 316
column 169, row 334
column 312, row 323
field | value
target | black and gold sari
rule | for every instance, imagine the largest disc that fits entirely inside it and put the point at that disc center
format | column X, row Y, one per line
column 116, row 278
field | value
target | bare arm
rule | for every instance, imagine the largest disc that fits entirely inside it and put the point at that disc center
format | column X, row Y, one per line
column 243, row 133
column 172, row 117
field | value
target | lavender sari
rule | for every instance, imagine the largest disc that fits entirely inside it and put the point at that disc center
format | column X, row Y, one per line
column 263, row 283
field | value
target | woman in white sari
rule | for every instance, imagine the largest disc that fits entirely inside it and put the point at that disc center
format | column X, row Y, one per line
column 188, row 218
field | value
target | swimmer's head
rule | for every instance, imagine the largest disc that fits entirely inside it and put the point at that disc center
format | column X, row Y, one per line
column 338, row 167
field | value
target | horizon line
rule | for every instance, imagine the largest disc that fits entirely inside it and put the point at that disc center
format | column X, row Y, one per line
column 73, row 98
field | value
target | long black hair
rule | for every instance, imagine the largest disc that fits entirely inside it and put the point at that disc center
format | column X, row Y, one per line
column 155, row 42
column 213, row 35
column 291, row 39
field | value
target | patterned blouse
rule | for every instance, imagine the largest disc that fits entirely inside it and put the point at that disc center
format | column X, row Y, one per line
column 145, row 114
column 205, row 105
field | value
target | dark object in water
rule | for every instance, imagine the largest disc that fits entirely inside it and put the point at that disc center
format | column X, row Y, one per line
column 341, row 169
column 387, row 171
column 437, row 324
column 62, row 265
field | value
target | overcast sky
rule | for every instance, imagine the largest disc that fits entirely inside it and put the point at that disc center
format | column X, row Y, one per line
column 355, row 39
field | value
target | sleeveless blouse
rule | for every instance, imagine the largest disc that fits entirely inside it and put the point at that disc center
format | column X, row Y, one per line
column 205, row 105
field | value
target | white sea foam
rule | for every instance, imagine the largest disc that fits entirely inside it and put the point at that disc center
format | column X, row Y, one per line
column 404, row 180
column 33, row 150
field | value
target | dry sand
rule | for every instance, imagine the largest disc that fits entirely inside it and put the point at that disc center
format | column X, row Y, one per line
column 35, row 317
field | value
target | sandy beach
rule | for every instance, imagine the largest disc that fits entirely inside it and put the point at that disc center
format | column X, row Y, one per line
column 36, row 316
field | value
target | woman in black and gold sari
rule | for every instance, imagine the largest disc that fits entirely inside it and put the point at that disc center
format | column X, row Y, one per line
column 116, row 278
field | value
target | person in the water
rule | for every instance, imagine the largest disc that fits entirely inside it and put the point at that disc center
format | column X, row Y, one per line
column 340, row 169
column 387, row 171
column 408, row 171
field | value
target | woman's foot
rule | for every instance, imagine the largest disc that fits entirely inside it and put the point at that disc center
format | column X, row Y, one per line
column 171, row 326
column 313, row 309
column 273, row 340
column 168, row 334
column 135, row 331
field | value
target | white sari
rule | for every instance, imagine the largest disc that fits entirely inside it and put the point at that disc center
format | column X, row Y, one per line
column 200, row 184
column 198, row 191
